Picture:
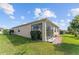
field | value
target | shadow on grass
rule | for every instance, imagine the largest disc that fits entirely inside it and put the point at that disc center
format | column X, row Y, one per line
column 18, row 40
column 68, row 49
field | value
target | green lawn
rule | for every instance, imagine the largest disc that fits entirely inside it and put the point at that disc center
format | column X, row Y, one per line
column 13, row 44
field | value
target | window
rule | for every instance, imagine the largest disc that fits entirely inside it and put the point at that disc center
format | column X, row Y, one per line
column 54, row 29
column 37, row 27
column 18, row 30
column 49, row 31
column 57, row 30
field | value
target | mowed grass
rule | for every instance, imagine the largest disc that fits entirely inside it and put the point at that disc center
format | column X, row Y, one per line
column 13, row 44
column 70, row 45
column 17, row 45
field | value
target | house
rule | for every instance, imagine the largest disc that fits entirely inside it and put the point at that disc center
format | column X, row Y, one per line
column 47, row 28
column 1, row 30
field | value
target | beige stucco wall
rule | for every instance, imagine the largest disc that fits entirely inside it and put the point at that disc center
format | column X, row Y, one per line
column 24, row 30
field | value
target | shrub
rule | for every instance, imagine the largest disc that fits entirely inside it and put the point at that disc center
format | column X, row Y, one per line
column 36, row 35
column 5, row 31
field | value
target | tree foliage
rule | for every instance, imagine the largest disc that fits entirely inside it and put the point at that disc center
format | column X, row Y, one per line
column 74, row 26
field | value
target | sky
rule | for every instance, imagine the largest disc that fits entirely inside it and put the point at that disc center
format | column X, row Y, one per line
column 15, row 14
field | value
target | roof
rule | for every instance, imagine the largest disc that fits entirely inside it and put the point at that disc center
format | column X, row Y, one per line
column 45, row 19
column 1, row 28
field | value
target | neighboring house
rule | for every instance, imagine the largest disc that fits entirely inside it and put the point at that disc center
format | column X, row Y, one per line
column 1, row 30
column 47, row 28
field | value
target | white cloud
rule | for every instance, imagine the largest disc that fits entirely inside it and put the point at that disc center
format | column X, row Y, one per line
column 48, row 13
column 43, row 13
column 22, row 17
column 7, row 8
column 64, row 23
column 68, row 20
column 74, row 12
column 37, row 12
column 12, row 17
column 3, row 26
column 65, row 20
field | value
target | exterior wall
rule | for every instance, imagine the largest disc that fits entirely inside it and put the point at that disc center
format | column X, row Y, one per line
column 26, row 29
column 53, row 29
column 44, row 38
column 44, row 33
column 37, row 27
column 56, row 31
column 44, row 30
column 49, row 30
column 23, row 30
column 1, row 31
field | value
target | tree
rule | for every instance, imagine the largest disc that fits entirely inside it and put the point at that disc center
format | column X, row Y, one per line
column 74, row 26
column 5, row 31
column 70, row 30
